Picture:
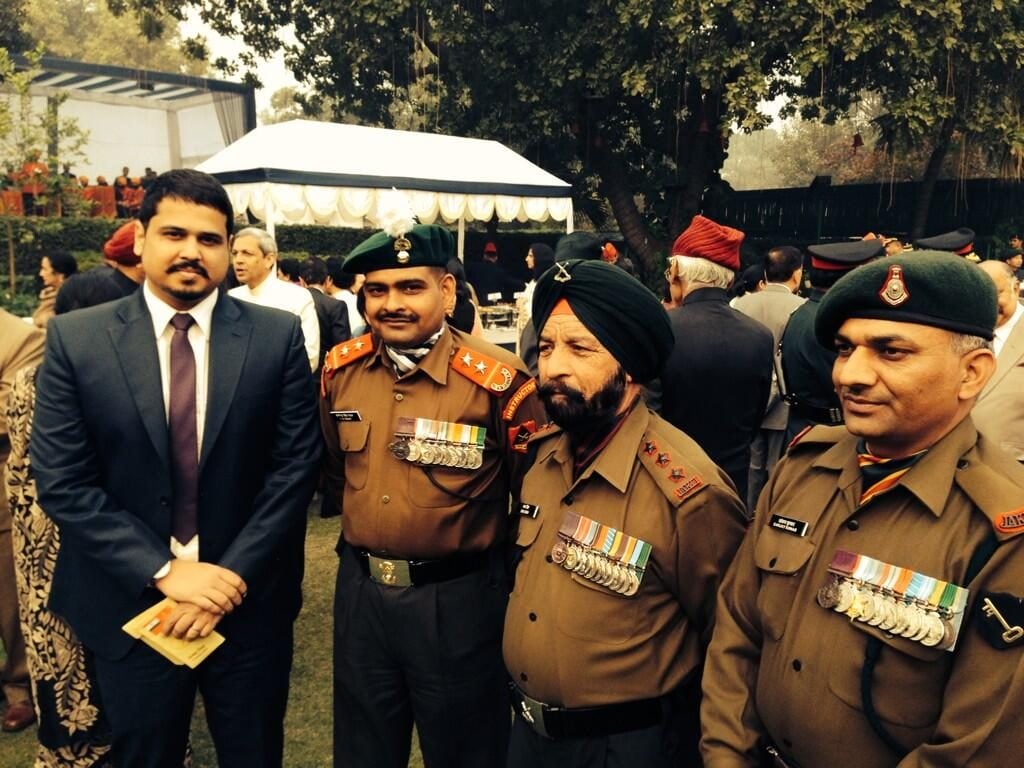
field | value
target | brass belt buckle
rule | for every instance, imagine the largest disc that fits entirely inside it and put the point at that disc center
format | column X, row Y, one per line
column 390, row 573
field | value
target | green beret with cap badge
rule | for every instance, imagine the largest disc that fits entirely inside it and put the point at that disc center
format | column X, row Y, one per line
column 401, row 242
column 925, row 287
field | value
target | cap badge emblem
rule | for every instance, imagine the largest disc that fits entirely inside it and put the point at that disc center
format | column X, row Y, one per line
column 402, row 245
column 562, row 275
column 894, row 291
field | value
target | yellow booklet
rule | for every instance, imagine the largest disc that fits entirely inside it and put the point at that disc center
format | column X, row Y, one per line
column 148, row 627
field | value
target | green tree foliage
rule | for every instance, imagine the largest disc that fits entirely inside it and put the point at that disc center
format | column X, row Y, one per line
column 633, row 101
column 13, row 33
column 87, row 30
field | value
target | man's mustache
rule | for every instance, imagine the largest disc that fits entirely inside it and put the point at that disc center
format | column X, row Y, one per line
column 192, row 264
column 401, row 316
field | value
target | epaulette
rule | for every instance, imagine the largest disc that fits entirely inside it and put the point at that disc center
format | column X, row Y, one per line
column 817, row 434
column 677, row 480
column 993, row 484
column 341, row 355
column 483, row 370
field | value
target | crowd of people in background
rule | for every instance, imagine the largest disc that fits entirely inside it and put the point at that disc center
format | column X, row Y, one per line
column 769, row 517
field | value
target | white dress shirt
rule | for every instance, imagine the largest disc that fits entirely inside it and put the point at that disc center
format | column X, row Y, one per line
column 1002, row 333
column 280, row 294
column 356, row 323
column 199, row 337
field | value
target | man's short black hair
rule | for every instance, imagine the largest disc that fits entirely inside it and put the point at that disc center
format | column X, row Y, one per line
column 63, row 262
column 781, row 263
column 191, row 186
column 314, row 271
column 290, row 268
column 339, row 277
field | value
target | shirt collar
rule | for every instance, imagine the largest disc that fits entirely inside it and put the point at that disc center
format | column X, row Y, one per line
column 161, row 312
column 930, row 479
column 706, row 294
column 266, row 285
column 615, row 461
column 434, row 365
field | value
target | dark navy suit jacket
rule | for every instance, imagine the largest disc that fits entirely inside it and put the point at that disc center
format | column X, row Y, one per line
column 100, row 453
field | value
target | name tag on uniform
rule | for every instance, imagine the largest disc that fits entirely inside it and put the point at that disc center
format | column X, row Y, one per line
column 788, row 525
column 528, row 510
column 347, row 415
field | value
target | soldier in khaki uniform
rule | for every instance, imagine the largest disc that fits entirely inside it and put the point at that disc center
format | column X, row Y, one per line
column 426, row 430
column 625, row 528
column 872, row 616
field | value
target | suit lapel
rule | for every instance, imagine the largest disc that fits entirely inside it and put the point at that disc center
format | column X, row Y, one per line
column 1009, row 356
column 135, row 346
column 229, row 343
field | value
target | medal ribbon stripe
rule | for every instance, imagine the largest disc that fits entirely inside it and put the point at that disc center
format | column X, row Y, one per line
column 601, row 554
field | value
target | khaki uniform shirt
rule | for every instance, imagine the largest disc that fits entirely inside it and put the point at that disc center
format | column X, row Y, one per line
column 570, row 642
column 783, row 668
column 397, row 508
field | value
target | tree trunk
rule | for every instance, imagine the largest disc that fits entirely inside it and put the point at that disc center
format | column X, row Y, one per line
column 923, row 201
column 616, row 188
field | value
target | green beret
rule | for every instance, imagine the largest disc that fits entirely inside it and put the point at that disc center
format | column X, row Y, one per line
column 924, row 287
column 614, row 306
column 425, row 245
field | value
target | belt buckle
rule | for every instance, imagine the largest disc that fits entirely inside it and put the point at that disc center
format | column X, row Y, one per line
column 390, row 573
column 532, row 712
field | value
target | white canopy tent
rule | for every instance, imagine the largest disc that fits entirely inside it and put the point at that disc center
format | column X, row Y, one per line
column 306, row 172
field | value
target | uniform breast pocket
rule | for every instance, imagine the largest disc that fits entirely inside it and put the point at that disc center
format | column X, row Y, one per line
column 353, row 437
column 526, row 538
column 907, row 683
column 593, row 613
column 779, row 558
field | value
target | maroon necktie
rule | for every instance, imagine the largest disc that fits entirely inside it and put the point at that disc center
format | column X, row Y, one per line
column 182, row 425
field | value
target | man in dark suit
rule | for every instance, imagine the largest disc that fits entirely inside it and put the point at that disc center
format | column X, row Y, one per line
column 177, row 449
column 716, row 383
column 331, row 314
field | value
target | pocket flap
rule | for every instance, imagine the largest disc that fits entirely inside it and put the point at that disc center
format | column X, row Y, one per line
column 352, row 435
column 781, row 553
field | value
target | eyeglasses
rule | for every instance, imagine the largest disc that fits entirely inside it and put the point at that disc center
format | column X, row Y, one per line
column 668, row 274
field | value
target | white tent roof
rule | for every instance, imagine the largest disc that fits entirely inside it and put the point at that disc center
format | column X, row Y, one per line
column 306, row 172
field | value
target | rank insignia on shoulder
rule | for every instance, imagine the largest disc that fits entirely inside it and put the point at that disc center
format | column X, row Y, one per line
column 1001, row 619
column 689, row 487
column 483, row 370
column 517, row 399
column 342, row 354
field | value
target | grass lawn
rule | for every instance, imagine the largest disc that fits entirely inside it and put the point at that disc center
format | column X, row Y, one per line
column 308, row 725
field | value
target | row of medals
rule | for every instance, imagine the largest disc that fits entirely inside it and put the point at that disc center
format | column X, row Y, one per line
column 436, row 453
column 596, row 567
column 925, row 625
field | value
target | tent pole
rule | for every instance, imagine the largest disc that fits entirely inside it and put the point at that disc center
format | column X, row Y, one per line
column 462, row 238
column 569, row 220
column 269, row 214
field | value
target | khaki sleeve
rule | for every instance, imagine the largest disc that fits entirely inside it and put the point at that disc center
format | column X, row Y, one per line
column 730, row 724
column 710, row 529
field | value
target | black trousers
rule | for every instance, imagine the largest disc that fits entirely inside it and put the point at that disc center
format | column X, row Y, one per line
column 428, row 654
column 148, row 702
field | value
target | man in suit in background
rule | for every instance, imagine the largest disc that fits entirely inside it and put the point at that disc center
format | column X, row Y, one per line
column 177, row 451
column 783, row 271
column 21, row 346
column 716, row 382
column 999, row 410
column 331, row 313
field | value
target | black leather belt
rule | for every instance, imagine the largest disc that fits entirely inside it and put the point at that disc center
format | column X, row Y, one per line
column 560, row 723
column 830, row 416
column 393, row 572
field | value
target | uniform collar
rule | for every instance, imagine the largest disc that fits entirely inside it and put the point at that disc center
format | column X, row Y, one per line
column 435, row 364
column 615, row 462
column 930, row 480
column 706, row 294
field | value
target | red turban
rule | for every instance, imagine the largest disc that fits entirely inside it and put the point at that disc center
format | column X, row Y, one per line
column 708, row 240
column 121, row 246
